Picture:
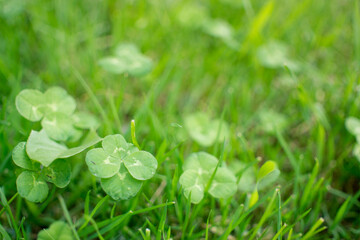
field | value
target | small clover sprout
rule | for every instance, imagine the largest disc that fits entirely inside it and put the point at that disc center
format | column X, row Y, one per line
column 55, row 108
column 204, row 130
column 127, row 59
column 57, row 230
column 121, row 166
column 198, row 169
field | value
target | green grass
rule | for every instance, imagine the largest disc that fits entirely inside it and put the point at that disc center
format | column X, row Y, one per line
column 59, row 43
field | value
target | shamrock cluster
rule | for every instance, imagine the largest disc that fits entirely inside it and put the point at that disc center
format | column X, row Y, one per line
column 43, row 157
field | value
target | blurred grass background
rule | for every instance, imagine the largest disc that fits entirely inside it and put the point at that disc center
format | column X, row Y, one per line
column 46, row 43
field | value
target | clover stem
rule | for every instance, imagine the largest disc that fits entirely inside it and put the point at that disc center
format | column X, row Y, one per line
column 133, row 136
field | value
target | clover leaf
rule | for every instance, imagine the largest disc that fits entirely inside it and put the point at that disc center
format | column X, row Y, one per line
column 116, row 145
column 102, row 164
column 41, row 148
column 22, row 160
column 29, row 104
column 85, row 120
column 122, row 185
column 59, row 127
column 58, row 100
column 141, row 165
column 204, row 130
column 127, row 59
column 198, row 169
column 223, row 184
column 193, row 184
column 58, row 173
column 57, row 230
column 32, row 186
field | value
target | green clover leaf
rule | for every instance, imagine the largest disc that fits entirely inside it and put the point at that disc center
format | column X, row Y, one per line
column 58, row 173
column 102, row 164
column 22, row 160
column 122, row 185
column 141, row 165
column 41, row 148
column 193, row 184
column 223, row 184
column 29, row 104
column 58, row 100
column 85, row 120
column 116, row 146
column 59, row 127
column 32, row 186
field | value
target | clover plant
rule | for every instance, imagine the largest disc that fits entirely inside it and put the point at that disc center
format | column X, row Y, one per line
column 56, row 110
column 353, row 126
column 206, row 131
column 127, row 59
column 43, row 158
column 198, row 174
column 121, row 166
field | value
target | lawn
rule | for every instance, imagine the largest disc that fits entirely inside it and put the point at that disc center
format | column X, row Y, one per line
column 180, row 119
